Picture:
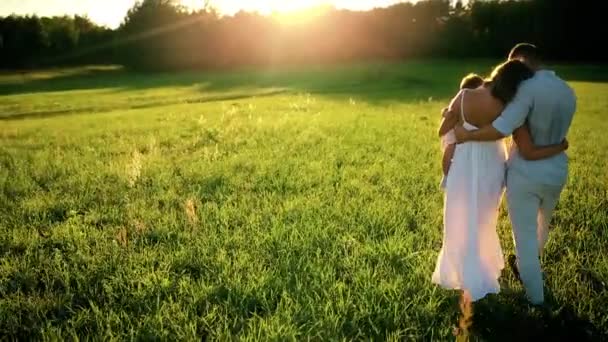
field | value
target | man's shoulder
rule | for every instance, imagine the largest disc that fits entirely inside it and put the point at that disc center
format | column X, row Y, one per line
column 530, row 88
column 549, row 76
column 542, row 76
column 538, row 80
column 566, row 92
column 543, row 81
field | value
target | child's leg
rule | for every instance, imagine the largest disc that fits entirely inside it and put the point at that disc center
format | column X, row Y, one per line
column 448, row 154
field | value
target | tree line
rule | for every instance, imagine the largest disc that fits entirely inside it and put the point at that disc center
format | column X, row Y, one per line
column 162, row 35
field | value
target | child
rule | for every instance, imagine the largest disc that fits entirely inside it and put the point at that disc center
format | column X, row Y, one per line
column 448, row 141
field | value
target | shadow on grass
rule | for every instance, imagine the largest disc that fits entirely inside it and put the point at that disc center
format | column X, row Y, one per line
column 375, row 83
column 372, row 81
column 509, row 317
column 157, row 103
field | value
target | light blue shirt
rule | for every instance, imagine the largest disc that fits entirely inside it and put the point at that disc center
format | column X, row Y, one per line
column 548, row 104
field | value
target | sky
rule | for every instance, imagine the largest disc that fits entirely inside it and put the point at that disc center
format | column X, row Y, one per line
column 111, row 12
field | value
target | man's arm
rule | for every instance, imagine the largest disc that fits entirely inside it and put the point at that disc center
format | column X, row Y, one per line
column 512, row 117
column 487, row 133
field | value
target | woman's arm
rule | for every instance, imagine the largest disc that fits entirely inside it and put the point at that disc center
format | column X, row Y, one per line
column 450, row 115
column 529, row 151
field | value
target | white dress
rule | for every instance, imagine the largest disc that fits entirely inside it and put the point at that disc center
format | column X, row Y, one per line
column 447, row 139
column 471, row 257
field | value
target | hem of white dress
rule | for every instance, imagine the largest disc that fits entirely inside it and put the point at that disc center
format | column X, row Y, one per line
column 473, row 297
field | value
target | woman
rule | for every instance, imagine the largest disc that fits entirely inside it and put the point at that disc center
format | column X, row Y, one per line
column 471, row 258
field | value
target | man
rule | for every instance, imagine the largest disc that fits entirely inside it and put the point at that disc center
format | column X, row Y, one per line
column 547, row 104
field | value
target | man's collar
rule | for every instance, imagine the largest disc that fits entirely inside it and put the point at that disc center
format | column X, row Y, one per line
column 545, row 72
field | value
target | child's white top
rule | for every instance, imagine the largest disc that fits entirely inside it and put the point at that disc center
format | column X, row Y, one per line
column 448, row 139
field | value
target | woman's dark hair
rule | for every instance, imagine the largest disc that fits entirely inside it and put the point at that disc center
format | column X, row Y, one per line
column 505, row 79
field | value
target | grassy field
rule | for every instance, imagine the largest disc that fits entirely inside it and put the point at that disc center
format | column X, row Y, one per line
column 266, row 205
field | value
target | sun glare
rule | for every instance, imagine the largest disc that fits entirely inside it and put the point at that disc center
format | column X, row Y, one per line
column 286, row 11
column 286, row 7
column 262, row 6
column 112, row 12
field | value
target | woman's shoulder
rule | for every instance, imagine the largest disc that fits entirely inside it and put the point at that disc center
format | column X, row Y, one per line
column 480, row 92
column 478, row 96
column 484, row 95
column 480, row 106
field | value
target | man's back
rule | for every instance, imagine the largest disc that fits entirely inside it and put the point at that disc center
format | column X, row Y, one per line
column 553, row 104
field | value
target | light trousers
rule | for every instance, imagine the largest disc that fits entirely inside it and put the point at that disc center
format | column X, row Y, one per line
column 531, row 206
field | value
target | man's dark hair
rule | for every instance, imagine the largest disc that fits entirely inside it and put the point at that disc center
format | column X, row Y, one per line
column 527, row 51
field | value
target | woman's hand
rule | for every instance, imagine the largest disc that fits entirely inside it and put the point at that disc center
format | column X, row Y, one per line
column 565, row 144
column 529, row 151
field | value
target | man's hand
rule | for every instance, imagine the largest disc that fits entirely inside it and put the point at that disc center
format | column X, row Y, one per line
column 461, row 133
column 565, row 144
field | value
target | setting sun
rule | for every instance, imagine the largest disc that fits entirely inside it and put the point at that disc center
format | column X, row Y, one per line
column 278, row 6
column 282, row 7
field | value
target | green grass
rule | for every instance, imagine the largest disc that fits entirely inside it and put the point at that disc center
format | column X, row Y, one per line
column 268, row 205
